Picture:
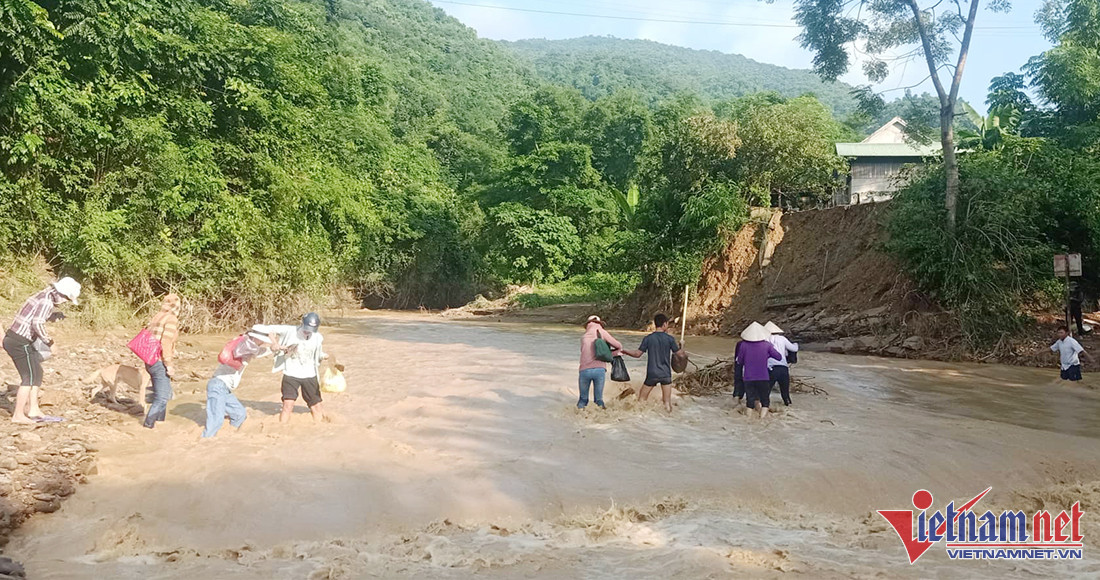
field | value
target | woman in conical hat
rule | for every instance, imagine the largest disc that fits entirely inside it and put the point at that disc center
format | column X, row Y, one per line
column 753, row 356
column 779, row 370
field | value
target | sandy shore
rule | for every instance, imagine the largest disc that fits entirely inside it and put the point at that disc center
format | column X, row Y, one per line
column 457, row 451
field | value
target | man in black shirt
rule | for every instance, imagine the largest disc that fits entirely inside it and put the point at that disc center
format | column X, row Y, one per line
column 659, row 346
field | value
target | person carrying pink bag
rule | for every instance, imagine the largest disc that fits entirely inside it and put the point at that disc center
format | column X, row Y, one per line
column 164, row 328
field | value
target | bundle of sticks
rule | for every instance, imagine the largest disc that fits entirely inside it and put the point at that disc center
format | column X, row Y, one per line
column 717, row 379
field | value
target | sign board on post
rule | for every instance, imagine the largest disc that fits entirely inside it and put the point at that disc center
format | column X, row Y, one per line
column 1067, row 265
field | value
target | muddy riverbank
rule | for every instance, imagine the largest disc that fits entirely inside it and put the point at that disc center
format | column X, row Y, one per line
column 457, row 451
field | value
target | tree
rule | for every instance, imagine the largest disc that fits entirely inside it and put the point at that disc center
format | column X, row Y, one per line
column 787, row 147
column 832, row 29
column 1068, row 75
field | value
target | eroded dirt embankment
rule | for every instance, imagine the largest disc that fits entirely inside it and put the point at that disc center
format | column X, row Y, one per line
column 824, row 276
column 821, row 274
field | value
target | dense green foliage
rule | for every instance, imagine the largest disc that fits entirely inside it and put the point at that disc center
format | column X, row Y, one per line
column 601, row 66
column 1022, row 198
column 246, row 152
column 247, row 149
column 599, row 287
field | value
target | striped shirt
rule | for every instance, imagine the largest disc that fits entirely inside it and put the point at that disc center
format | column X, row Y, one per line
column 165, row 326
column 30, row 322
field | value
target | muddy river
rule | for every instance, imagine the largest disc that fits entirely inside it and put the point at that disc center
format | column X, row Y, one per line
column 457, row 451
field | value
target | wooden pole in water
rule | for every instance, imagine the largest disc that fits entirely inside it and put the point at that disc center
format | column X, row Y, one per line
column 684, row 318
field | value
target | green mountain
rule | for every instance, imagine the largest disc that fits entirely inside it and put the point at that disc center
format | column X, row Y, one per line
column 598, row 66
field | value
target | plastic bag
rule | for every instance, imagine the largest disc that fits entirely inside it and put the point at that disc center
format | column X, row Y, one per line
column 792, row 356
column 333, row 381
column 43, row 349
column 619, row 374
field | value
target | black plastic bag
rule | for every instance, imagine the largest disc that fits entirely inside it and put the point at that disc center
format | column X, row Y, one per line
column 792, row 356
column 619, row 374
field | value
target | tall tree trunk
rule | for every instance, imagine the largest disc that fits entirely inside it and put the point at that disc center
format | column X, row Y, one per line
column 950, row 163
column 948, row 98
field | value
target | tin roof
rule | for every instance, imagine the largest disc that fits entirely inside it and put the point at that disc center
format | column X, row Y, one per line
column 887, row 150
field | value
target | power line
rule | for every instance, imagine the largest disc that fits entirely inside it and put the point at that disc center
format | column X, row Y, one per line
column 668, row 20
column 615, row 17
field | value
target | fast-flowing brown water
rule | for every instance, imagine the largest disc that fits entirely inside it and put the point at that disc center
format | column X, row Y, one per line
column 457, row 451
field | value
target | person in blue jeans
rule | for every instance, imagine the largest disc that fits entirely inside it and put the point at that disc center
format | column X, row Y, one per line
column 593, row 372
column 165, row 328
column 220, row 400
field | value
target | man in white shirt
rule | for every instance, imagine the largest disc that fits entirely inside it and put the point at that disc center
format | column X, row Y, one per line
column 1069, row 353
column 299, row 359
column 778, row 371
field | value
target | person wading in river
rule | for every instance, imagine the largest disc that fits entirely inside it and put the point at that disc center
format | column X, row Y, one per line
column 30, row 326
column 659, row 346
column 220, row 400
column 779, row 370
column 738, row 375
column 593, row 372
column 754, row 356
column 300, row 357
column 1069, row 353
column 164, row 326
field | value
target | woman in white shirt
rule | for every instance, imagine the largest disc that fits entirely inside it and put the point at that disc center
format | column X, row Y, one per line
column 778, row 371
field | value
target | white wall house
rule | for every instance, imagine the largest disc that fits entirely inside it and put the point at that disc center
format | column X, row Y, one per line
column 876, row 162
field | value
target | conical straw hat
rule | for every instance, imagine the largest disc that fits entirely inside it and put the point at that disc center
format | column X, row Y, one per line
column 773, row 328
column 755, row 332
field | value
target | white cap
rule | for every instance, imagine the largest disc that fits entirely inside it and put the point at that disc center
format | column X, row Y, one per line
column 754, row 333
column 68, row 288
column 773, row 328
column 595, row 319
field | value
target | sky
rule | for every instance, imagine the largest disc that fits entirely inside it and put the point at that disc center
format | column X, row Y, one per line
column 1003, row 42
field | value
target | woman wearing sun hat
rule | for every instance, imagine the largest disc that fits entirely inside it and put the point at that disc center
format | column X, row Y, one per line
column 29, row 328
column 593, row 372
column 778, row 369
column 753, row 356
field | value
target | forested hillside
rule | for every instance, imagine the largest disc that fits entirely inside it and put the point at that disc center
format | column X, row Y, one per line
column 250, row 152
column 243, row 151
column 599, row 66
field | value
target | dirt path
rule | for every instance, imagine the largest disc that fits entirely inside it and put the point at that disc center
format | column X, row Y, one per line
column 457, row 451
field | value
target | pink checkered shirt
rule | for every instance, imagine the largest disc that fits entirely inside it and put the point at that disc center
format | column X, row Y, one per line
column 30, row 322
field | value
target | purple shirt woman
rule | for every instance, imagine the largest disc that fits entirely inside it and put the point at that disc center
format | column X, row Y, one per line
column 753, row 356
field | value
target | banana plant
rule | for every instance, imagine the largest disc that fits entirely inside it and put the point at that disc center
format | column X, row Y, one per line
column 628, row 201
column 989, row 130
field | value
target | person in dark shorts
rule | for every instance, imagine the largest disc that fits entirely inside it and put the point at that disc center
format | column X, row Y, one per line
column 299, row 356
column 659, row 347
column 1070, row 353
column 754, row 355
column 20, row 341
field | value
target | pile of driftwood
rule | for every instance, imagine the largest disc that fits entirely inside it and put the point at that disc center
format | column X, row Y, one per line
column 717, row 379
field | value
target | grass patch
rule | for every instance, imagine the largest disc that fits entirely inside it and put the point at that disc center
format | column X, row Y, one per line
column 598, row 287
